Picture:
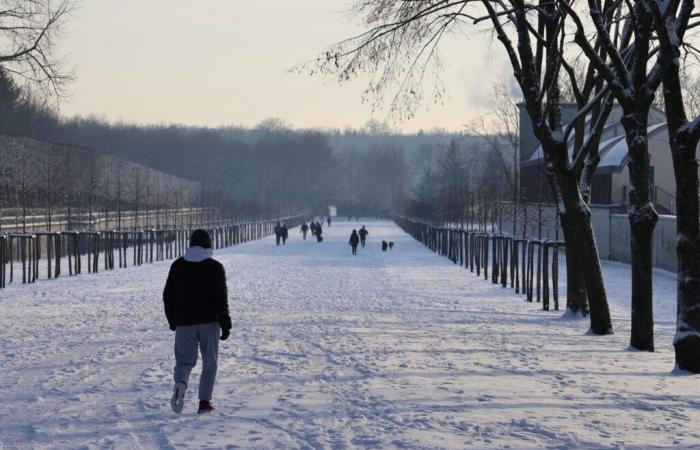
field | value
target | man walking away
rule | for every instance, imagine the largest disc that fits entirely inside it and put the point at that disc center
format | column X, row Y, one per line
column 285, row 234
column 304, row 230
column 329, row 221
column 196, row 306
column 363, row 235
column 354, row 240
column 319, row 232
column 278, row 233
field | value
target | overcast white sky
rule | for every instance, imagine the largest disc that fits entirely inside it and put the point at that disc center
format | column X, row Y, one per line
column 219, row 62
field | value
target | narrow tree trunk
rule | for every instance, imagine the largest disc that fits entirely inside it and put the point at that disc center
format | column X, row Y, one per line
column 576, row 221
column 642, row 217
column 587, row 252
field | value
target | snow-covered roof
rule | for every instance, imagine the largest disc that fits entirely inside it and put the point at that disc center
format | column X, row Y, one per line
column 613, row 151
column 616, row 154
column 539, row 153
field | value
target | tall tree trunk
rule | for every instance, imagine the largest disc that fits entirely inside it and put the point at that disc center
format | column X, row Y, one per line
column 687, row 339
column 685, row 167
column 642, row 217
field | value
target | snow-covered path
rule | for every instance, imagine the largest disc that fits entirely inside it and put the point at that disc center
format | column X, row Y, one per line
column 383, row 350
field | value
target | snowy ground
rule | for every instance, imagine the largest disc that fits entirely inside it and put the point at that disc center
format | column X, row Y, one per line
column 384, row 350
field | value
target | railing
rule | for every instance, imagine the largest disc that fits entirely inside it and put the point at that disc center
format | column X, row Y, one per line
column 530, row 266
column 22, row 252
column 661, row 198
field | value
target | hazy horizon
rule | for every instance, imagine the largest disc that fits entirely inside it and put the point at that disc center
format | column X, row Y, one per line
column 214, row 64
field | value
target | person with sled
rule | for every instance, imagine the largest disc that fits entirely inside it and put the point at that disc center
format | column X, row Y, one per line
column 278, row 233
column 196, row 307
column 304, row 229
column 363, row 235
column 354, row 241
column 285, row 234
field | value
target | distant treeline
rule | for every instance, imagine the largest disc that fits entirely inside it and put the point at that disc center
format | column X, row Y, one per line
column 271, row 168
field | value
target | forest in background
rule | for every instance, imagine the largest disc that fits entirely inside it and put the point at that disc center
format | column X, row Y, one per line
column 273, row 169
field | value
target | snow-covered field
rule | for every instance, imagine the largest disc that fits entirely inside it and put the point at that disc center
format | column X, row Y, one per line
column 384, row 350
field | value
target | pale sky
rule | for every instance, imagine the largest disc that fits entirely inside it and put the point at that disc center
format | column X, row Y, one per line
column 225, row 62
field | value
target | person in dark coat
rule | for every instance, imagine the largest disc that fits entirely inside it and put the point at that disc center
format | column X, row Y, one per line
column 304, row 230
column 329, row 221
column 196, row 307
column 285, row 234
column 319, row 232
column 363, row 235
column 384, row 246
column 354, row 242
column 312, row 227
column 278, row 233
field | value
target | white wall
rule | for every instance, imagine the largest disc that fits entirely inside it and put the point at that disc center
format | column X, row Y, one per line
column 612, row 233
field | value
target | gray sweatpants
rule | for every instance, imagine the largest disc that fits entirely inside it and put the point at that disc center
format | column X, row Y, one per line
column 187, row 338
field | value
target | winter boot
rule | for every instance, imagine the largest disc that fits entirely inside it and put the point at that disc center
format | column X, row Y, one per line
column 177, row 402
column 205, row 407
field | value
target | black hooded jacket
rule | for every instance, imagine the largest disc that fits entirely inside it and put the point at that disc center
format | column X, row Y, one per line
column 196, row 293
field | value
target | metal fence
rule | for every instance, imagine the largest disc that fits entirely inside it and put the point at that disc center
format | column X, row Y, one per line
column 89, row 251
column 529, row 266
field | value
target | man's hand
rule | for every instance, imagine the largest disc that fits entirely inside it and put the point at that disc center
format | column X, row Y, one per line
column 225, row 333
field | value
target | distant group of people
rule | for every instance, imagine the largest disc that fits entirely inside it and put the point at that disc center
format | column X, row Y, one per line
column 281, row 233
column 316, row 229
column 357, row 238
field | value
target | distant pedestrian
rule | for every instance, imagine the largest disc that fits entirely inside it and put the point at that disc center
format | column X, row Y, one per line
column 304, row 230
column 319, row 232
column 196, row 306
column 285, row 234
column 278, row 233
column 354, row 241
column 363, row 235
column 384, row 246
column 312, row 227
column 329, row 221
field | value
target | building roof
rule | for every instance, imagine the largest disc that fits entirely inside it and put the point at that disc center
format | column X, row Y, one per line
column 615, row 155
column 613, row 151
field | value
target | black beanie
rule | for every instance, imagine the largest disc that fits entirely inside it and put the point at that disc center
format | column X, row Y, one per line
column 200, row 238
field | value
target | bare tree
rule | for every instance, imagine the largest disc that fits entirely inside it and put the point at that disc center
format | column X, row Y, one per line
column 54, row 172
column 672, row 26
column 28, row 33
column 502, row 136
column 623, row 60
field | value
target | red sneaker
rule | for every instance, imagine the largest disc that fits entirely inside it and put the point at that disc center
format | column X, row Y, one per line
column 205, row 407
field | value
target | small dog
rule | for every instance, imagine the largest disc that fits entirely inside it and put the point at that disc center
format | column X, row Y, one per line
column 391, row 245
column 384, row 246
